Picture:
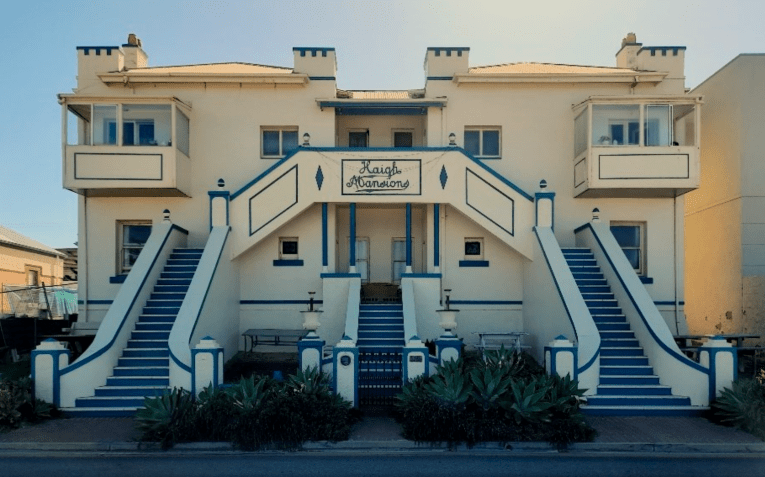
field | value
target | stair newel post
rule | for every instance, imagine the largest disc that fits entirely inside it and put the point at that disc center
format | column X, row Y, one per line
column 721, row 359
column 310, row 347
column 448, row 346
column 48, row 359
column 561, row 358
column 219, row 205
column 206, row 365
column 346, row 366
column 545, row 206
column 415, row 359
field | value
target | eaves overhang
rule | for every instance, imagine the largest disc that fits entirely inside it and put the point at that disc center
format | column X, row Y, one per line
column 135, row 77
column 350, row 107
column 625, row 77
column 637, row 98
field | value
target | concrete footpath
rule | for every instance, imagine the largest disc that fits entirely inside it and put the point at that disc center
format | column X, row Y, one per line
column 383, row 434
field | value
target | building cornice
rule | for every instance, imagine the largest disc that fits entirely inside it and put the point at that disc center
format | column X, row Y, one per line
column 135, row 77
column 626, row 77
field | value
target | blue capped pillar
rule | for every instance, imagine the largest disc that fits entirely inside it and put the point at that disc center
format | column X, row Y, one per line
column 219, row 205
column 545, row 206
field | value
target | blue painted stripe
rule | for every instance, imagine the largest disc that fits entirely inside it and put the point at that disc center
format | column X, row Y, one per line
column 279, row 302
column 118, row 279
column 486, row 302
column 79, row 363
column 288, row 263
column 448, row 48
column 179, row 363
column 436, row 235
column 474, row 263
column 381, row 105
column 340, row 275
column 669, row 303
column 100, row 302
column 324, row 236
column 420, row 275
column 352, row 232
column 682, row 358
column 645, row 280
column 408, row 234
column 321, row 78
column 440, row 78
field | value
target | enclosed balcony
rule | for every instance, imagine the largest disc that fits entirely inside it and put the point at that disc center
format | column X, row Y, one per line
column 117, row 148
column 636, row 146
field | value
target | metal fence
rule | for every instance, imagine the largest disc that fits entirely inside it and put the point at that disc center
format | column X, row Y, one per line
column 43, row 301
column 380, row 377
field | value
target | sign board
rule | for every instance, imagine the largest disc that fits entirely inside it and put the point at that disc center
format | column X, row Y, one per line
column 382, row 176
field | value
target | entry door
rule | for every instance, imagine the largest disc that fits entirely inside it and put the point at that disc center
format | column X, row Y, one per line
column 398, row 258
column 362, row 258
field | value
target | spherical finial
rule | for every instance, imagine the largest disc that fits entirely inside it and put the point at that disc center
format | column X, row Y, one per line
column 166, row 215
column 452, row 139
column 221, row 183
column 306, row 140
column 543, row 184
column 596, row 215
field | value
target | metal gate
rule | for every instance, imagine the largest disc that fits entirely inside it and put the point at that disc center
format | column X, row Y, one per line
column 380, row 376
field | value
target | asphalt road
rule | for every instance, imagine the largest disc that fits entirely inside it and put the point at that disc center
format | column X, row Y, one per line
column 458, row 464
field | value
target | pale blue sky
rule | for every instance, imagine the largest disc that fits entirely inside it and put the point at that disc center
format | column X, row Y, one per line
column 380, row 45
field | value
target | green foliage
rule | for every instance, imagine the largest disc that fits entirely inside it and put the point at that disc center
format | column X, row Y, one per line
column 743, row 406
column 505, row 397
column 17, row 406
column 167, row 418
column 255, row 413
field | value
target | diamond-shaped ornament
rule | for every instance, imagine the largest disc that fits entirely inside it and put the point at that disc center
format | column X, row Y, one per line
column 444, row 177
column 319, row 177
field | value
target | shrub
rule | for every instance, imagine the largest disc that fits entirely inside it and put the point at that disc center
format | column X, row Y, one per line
column 743, row 406
column 18, row 407
column 168, row 418
column 504, row 397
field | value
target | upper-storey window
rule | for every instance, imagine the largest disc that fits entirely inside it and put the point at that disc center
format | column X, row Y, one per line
column 127, row 124
column 646, row 124
column 631, row 238
column 403, row 138
column 278, row 141
column 133, row 235
column 483, row 142
column 358, row 138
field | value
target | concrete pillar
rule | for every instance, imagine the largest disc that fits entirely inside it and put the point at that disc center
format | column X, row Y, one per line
column 219, row 204
column 415, row 359
column 545, row 206
column 48, row 359
column 561, row 357
column 310, row 351
column 346, row 370
column 722, row 360
column 448, row 348
column 206, row 365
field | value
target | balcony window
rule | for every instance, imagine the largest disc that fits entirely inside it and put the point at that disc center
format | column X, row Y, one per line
column 104, row 124
column 278, row 142
column 482, row 143
column 580, row 133
column 619, row 125
column 684, row 121
column 182, row 131
column 145, row 125
column 78, row 123
column 615, row 125
column 658, row 120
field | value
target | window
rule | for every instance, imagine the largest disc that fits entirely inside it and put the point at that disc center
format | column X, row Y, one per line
column 278, row 142
column 288, row 248
column 33, row 276
column 474, row 248
column 133, row 236
column 358, row 138
column 631, row 238
column 483, row 142
column 398, row 257
column 403, row 139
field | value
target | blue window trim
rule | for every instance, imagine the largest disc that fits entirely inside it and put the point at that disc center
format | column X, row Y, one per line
column 117, row 279
column 288, row 263
column 474, row 263
column 645, row 280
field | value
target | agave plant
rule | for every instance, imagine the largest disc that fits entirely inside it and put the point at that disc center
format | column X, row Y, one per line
column 311, row 381
column 744, row 405
column 489, row 387
column 165, row 417
column 449, row 386
column 249, row 393
column 564, row 395
column 528, row 403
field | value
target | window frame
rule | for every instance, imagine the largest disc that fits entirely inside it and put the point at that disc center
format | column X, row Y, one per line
column 481, row 130
column 394, row 260
column 37, row 270
column 402, row 131
column 482, row 248
column 643, row 226
column 281, row 130
column 289, row 256
column 122, row 269
column 358, row 131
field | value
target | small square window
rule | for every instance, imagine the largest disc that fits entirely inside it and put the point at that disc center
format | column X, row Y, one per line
column 358, row 138
column 483, row 142
column 33, row 276
column 278, row 142
column 403, row 139
column 288, row 248
column 474, row 248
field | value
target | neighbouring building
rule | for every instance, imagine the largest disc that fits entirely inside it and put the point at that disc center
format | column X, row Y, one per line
column 26, row 263
column 538, row 199
column 725, row 216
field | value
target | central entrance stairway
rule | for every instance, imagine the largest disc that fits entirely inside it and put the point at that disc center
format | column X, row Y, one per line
column 144, row 368
column 381, row 337
column 628, row 385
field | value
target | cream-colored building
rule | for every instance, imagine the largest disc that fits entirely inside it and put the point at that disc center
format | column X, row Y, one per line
column 26, row 262
column 541, row 199
column 725, row 216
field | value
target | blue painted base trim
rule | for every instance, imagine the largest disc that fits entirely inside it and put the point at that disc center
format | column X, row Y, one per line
column 474, row 263
column 340, row 275
column 117, row 279
column 99, row 302
column 288, row 263
column 486, row 302
column 279, row 302
column 420, row 275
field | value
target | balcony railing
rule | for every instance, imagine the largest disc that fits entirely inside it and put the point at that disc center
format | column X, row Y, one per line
column 126, row 149
column 636, row 147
